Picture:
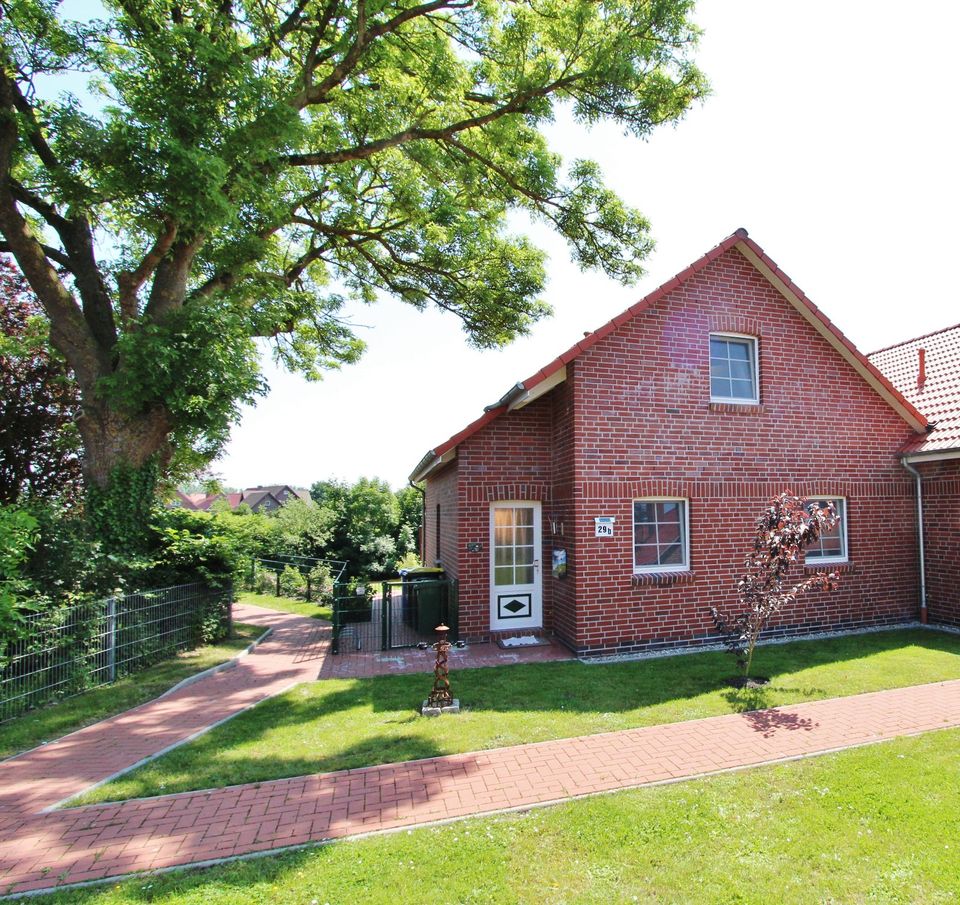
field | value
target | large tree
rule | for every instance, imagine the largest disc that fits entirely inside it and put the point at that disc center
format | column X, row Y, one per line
column 223, row 170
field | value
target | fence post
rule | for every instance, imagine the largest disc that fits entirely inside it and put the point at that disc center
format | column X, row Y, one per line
column 112, row 637
column 385, row 602
column 308, row 588
column 253, row 573
column 278, row 583
column 335, row 647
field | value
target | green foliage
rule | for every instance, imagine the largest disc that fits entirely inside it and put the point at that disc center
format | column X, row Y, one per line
column 245, row 169
column 409, row 561
column 303, row 528
column 367, row 528
column 18, row 533
column 202, row 363
column 118, row 512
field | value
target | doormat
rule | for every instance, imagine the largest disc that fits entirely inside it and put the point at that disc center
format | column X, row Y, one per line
column 522, row 641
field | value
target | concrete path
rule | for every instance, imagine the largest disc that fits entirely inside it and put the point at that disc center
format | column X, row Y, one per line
column 40, row 850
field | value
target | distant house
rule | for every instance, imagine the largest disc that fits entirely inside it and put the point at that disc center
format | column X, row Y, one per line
column 258, row 499
column 610, row 498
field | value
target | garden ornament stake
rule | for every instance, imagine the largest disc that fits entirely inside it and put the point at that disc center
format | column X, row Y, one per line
column 440, row 696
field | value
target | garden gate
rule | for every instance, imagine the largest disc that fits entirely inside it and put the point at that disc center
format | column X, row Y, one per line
column 378, row 617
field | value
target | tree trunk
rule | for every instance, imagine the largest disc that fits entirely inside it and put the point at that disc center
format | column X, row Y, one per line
column 113, row 439
column 122, row 458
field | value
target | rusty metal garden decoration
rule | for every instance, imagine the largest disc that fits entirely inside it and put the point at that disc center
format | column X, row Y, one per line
column 440, row 699
column 440, row 696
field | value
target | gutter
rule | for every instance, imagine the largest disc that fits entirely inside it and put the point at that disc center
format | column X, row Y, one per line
column 514, row 393
column 923, row 567
column 422, row 539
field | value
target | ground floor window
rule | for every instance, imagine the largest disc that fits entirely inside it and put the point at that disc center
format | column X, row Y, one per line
column 660, row 535
column 832, row 545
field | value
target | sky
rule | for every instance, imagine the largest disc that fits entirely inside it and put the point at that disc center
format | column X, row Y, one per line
column 830, row 135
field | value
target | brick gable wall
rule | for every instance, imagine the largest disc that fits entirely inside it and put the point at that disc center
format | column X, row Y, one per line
column 633, row 419
column 646, row 427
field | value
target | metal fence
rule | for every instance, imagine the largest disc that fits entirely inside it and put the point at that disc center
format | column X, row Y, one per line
column 305, row 567
column 67, row 650
column 392, row 614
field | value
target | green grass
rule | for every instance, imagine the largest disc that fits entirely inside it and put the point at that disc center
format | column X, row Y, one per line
column 286, row 605
column 879, row 824
column 70, row 714
column 341, row 724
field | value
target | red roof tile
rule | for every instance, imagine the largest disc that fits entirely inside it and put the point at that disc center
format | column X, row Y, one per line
column 939, row 395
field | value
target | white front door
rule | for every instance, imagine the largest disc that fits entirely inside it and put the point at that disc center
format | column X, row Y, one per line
column 516, row 581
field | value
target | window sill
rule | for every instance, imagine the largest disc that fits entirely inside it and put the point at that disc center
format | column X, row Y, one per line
column 737, row 408
column 645, row 579
column 829, row 567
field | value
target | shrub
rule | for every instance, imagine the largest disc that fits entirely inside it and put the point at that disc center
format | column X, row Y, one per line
column 787, row 527
column 18, row 533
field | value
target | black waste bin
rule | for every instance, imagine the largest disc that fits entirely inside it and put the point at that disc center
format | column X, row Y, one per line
column 424, row 598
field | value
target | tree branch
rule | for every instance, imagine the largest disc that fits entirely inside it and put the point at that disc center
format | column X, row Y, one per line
column 69, row 330
column 46, row 210
column 517, row 104
column 54, row 254
column 130, row 281
column 315, row 94
column 169, row 288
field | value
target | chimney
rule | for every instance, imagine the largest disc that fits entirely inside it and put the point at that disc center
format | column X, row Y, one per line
column 922, row 368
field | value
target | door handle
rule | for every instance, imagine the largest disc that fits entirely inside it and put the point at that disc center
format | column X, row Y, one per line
column 536, row 564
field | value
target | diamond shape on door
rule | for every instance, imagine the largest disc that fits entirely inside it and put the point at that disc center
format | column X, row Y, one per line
column 514, row 606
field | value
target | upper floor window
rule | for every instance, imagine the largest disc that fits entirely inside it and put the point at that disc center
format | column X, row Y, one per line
column 831, row 545
column 733, row 368
column 660, row 535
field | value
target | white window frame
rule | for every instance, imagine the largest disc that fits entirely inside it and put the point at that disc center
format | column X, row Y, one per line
column 843, row 513
column 755, row 356
column 684, row 537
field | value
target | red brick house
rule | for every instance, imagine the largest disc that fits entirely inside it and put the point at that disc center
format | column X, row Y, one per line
column 610, row 498
column 927, row 371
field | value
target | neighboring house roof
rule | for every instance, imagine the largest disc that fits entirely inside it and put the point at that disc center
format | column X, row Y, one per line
column 554, row 373
column 259, row 498
column 252, row 496
column 938, row 395
column 184, row 500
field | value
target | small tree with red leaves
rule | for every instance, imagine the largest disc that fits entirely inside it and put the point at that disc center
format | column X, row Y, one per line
column 787, row 527
column 39, row 405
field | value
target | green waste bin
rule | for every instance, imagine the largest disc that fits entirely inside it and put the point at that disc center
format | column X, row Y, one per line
column 424, row 598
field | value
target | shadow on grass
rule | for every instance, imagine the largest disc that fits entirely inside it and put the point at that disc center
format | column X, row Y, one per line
column 362, row 722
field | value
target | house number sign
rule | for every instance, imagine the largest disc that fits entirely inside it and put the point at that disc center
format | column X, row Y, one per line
column 604, row 525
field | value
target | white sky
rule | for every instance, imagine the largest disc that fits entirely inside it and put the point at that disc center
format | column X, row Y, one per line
column 829, row 136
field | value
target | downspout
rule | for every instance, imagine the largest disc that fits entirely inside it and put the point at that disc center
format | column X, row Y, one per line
column 423, row 519
column 923, row 567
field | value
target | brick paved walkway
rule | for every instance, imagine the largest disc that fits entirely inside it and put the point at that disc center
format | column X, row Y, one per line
column 297, row 651
column 39, row 850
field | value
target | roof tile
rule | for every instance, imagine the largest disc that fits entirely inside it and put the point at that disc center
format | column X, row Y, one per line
column 939, row 396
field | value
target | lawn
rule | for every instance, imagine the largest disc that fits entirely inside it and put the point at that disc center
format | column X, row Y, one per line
column 877, row 824
column 341, row 724
column 55, row 720
column 286, row 605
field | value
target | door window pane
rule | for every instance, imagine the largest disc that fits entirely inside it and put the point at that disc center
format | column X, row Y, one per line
column 514, row 546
